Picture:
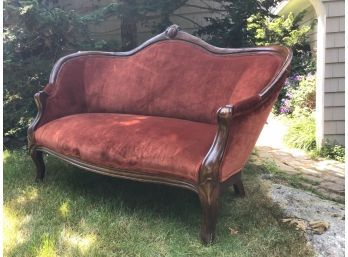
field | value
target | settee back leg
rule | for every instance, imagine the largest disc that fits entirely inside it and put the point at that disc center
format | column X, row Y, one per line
column 239, row 188
column 209, row 205
column 37, row 157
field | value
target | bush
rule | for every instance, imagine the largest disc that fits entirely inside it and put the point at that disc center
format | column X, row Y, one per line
column 285, row 30
column 299, row 98
column 301, row 133
column 302, row 98
column 331, row 151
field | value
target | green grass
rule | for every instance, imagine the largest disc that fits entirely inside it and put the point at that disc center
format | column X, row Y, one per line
column 76, row 213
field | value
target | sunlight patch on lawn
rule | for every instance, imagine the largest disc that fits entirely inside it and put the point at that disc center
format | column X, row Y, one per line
column 13, row 235
column 64, row 209
column 6, row 155
column 47, row 248
column 28, row 195
column 82, row 242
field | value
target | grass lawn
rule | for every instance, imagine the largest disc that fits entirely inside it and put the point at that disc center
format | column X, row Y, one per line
column 77, row 213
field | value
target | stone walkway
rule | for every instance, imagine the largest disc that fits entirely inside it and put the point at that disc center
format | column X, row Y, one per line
column 298, row 207
column 324, row 176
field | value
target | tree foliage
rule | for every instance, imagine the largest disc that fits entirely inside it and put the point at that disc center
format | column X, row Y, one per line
column 132, row 13
column 287, row 31
column 229, row 28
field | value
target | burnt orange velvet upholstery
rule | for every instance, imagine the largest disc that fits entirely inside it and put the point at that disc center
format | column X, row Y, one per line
column 155, row 111
column 244, row 132
column 168, row 79
column 139, row 143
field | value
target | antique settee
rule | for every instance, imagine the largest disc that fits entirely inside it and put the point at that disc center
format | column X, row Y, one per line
column 174, row 111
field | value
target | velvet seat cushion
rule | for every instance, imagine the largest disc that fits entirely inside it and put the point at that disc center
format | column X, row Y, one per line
column 146, row 144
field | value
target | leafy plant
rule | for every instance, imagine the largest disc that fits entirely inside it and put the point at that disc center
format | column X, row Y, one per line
column 287, row 31
column 300, row 96
column 301, row 133
column 330, row 151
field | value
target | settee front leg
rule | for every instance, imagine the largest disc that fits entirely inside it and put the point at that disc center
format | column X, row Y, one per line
column 209, row 198
column 37, row 157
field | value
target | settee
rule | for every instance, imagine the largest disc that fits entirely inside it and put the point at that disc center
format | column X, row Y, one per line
column 175, row 111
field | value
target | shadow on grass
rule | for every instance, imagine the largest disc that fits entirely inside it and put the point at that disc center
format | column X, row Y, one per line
column 77, row 213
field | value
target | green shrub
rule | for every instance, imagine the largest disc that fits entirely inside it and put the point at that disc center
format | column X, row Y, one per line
column 287, row 31
column 302, row 98
column 301, row 133
column 331, row 151
column 298, row 97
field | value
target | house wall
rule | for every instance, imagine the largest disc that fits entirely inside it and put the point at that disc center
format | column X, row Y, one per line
column 334, row 72
column 308, row 19
column 334, row 77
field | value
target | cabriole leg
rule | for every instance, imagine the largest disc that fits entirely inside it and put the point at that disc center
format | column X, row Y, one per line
column 209, row 205
column 239, row 188
column 37, row 157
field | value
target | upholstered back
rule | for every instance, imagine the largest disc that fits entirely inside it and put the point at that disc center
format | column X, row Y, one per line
column 171, row 78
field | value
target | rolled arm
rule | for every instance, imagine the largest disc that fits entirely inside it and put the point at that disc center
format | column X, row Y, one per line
column 63, row 96
column 255, row 101
column 238, row 127
column 247, row 121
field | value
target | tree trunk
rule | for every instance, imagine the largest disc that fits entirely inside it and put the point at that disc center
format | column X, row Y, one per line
column 129, row 26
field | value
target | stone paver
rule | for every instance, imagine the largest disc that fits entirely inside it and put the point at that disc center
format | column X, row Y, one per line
column 298, row 204
column 327, row 176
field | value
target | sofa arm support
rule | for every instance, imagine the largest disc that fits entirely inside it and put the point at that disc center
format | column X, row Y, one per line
column 40, row 101
column 255, row 101
column 208, row 177
column 208, row 172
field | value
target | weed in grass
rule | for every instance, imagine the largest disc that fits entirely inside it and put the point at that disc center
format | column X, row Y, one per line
column 76, row 213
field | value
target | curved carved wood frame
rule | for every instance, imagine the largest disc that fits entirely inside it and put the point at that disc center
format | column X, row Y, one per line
column 208, row 185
